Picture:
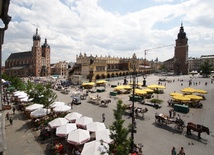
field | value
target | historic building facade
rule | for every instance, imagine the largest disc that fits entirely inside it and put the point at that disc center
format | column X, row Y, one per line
column 60, row 69
column 94, row 67
column 181, row 53
column 31, row 63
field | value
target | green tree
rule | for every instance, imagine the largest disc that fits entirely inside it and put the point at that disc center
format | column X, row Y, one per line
column 206, row 68
column 41, row 94
column 15, row 82
column 119, row 134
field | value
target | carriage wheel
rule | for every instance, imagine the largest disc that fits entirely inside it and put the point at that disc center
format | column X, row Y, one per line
column 158, row 121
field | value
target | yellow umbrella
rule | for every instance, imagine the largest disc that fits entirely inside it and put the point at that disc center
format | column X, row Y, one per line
column 194, row 97
column 140, row 92
column 188, row 90
column 88, row 84
column 175, row 94
column 101, row 81
column 200, row 91
column 148, row 90
column 123, row 87
column 181, row 98
column 155, row 86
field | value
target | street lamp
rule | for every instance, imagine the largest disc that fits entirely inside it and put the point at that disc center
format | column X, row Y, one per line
column 4, row 6
column 144, row 80
column 133, row 99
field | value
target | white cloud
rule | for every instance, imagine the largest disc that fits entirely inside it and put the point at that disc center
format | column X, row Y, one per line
column 74, row 26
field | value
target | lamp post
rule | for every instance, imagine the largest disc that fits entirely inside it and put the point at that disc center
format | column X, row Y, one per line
column 133, row 99
column 4, row 6
column 144, row 80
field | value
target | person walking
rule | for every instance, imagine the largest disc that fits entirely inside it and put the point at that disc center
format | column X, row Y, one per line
column 7, row 115
column 173, row 151
column 181, row 152
column 103, row 117
column 11, row 121
column 14, row 109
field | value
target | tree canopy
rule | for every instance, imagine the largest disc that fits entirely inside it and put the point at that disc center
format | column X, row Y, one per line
column 206, row 68
column 119, row 134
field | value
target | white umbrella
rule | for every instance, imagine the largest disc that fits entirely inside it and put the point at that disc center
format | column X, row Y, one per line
column 95, row 148
column 65, row 129
column 78, row 137
column 83, row 121
column 57, row 122
column 22, row 96
column 73, row 116
column 103, row 135
column 40, row 112
column 26, row 99
column 62, row 108
column 56, row 104
column 95, row 126
column 17, row 93
column 34, row 107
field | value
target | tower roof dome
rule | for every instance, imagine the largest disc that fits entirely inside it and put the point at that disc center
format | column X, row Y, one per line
column 181, row 34
column 45, row 44
column 36, row 36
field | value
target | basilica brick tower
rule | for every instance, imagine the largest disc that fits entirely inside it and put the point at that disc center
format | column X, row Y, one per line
column 30, row 63
column 41, row 56
column 181, row 53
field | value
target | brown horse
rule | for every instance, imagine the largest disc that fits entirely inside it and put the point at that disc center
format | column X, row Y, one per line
column 198, row 128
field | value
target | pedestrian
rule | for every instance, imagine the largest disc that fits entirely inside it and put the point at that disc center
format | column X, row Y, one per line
column 14, row 109
column 173, row 151
column 11, row 121
column 7, row 115
column 103, row 117
column 181, row 152
column 170, row 113
column 72, row 105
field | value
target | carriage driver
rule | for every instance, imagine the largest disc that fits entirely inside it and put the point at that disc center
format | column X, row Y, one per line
column 177, row 117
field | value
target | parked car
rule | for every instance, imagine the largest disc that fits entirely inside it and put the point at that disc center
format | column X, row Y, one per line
column 76, row 100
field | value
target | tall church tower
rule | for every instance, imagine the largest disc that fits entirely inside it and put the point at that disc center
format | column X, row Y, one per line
column 46, row 68
column 36, row 55
column 181, row 53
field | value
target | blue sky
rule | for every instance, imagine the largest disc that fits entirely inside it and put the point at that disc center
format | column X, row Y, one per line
column 118, row 28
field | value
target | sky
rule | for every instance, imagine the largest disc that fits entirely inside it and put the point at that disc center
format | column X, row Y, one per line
column 118, row 28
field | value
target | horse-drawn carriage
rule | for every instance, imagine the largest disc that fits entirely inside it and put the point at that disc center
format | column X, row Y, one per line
column 105, row 102
column 137, row 110
column 164, row 119
column 94, row 99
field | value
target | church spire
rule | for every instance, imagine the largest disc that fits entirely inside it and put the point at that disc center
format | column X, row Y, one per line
column 36, row 36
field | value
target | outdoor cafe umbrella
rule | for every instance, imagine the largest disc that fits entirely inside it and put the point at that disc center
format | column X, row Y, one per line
column 64, row 130
column 175, row 94
column 95, row 126
column 73, row 116
column 26, row 99
column 194, row 97
column 181, row 98
column 101, row 82
column 34, row 107
column 155, row 86
column 78, row 137
column 200, row 91
column 56, row 104
column 83, row 121
column 57, row 122
column 188, row 90
column 148, row 90
column 95, row 148
column 40, row 112
column 88, row 84
column 62, row 108
column 103, row 135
